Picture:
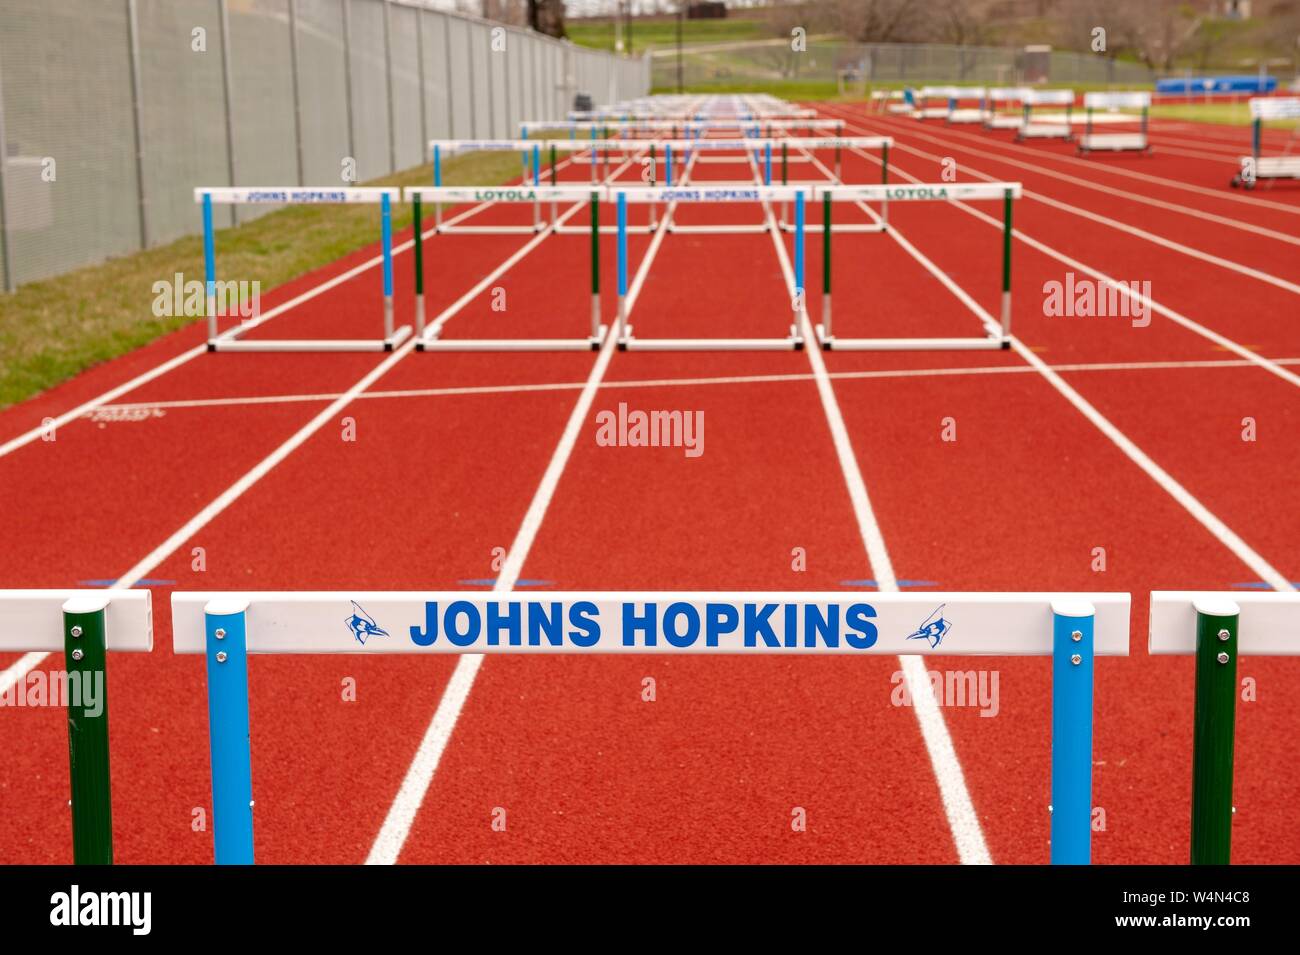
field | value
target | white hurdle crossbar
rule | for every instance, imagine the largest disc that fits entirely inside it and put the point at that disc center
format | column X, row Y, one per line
column 1046, row 128
column 230, row 340
column 1255, row 166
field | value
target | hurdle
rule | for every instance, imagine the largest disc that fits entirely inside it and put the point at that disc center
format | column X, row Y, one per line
column 1115, row 142
column 230, row 340
column 966, row 114
column 923, row 110
column 84, row 624
column 1072, row 629
column 1217, row 628
column 997, row 336
column 1255, row 166
column 1052, row 127
column 1003, row 96
column 669, row 196
column 860, row 143
column 428, row 336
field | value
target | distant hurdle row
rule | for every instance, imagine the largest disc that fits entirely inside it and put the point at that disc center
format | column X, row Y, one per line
column 1257, row 166
column 1072, row 629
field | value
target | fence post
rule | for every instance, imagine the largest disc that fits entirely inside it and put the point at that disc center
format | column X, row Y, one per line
column 297, row 94
column 6, row 253
column 137, row 117
column 1212, row 732
column 347, row 77
column 229, row 97
column 388, row 86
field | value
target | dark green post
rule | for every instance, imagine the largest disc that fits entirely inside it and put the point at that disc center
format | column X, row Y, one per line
column 595, row 243
column 419, row 244
column 1006, row 241
column 884, row 165
column 552, row 164
column 653, row 163
column 826, row 243
column 785, row 150
column 92, row 813
column 1212, row 737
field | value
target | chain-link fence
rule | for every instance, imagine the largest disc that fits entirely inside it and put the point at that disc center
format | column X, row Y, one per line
column 830, row 60
column 112, row 111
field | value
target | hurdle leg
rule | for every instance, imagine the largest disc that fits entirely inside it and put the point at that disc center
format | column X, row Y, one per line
column 225, row 626
column 595, row 270
column 92, row 811
column 418, row 239
column 1213, row 732
column 1006, row 269
column 386, row 229
column 826, row 271
column 623, row 329
column 1072, row 680
column 209, row 269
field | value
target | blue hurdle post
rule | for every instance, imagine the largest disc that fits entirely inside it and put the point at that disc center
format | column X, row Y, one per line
column 593, row 154
column 523, row 134
column 1072, row 666
column 437, row 181
column 232, row 772
column 798, row 245
column 668, row 165
column 767, row 163
column 622, row 262
column 210, row 268
column 386, row 229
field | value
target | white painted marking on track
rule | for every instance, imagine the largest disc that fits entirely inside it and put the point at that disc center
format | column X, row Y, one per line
column 401, row 815
column 967, row 835
column 462, row 390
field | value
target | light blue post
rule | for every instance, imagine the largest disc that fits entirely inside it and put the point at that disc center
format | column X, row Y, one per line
column 437, row 165
column 767, row 163
column 1072, row 643
column 622, row 244
column 537, row 164
column 209, row 266
column 798, row 242
column 386, row 239
column 232, row 772
column 668, row 165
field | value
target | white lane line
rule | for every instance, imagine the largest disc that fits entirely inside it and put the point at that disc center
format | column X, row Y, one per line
column 1269, row 365
column 455, row 391
column 958, row 807
column 396, row 828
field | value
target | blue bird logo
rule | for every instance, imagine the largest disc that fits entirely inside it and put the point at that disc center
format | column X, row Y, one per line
column 363, row 625
column 934, row 629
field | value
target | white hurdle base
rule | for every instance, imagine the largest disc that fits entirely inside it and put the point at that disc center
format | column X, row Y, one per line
column 831, row 343
column 1046, row 131
column 1113, row 142
column 231, row 343
column 591, row 343
column 1004, row 122
column 966, row 116
column 628, row 343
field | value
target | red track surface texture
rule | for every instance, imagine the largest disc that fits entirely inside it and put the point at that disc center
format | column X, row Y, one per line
column 452, row 451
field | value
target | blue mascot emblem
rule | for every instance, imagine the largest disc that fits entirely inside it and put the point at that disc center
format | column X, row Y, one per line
column 934, row 629
column 363, row 625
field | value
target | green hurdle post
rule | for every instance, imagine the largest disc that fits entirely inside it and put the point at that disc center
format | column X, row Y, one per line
column 826, row 270
column 1212, row 736
column 554, row 207
column 1006, row 268
column 595, row 271
column 419, row 266
column 92, row 812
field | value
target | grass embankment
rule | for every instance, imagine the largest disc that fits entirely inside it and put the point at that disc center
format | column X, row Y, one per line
column 54, row 329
